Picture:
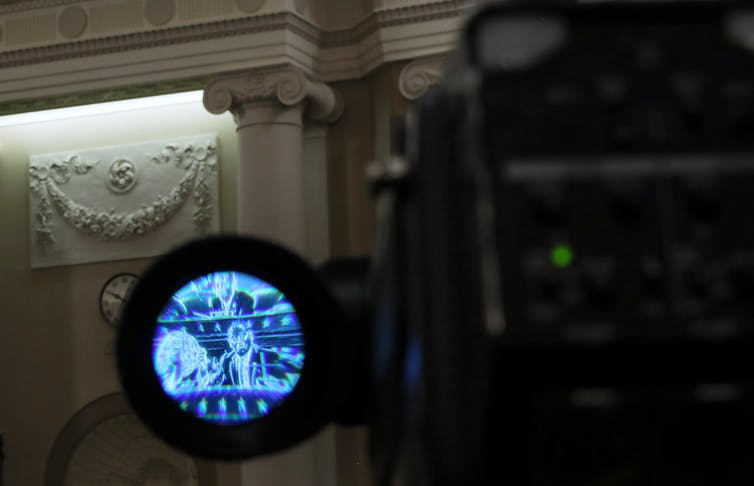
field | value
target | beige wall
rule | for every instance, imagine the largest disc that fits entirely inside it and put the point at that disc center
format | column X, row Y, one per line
column 54, row 347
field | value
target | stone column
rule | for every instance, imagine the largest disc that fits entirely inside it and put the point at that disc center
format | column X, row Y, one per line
column 269, row 107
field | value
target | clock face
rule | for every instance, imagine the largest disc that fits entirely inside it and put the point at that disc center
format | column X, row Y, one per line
column 114, row 295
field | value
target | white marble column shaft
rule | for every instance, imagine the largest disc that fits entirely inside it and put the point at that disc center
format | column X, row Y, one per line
column 270, row 174
column 269, row 107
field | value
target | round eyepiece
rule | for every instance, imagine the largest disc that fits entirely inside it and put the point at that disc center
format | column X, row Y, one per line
column 228, row 347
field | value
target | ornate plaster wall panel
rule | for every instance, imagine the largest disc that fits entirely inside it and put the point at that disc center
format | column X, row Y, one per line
column 121, row 202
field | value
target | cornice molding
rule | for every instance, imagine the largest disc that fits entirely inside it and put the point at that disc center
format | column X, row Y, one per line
column 32, row 5
column 216, row 46
column 406, row 14
column 234, row 27
column 148, row 39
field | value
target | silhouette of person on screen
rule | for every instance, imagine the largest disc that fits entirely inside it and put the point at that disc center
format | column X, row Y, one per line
column 237, row 361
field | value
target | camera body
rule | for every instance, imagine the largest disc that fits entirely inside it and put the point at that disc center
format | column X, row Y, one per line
column 559, row 292
column 577, row 251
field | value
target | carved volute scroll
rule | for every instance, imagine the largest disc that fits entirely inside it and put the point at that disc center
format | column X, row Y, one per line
column 288, row 86
column 420, row 75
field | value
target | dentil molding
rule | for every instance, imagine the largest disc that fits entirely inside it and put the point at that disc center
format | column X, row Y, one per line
column 288, row 86
column 58, row 48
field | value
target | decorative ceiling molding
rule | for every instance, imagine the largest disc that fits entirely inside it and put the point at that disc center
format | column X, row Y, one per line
column 153, row 54
column 147, row 39
column 24, row 5
column 406, row 14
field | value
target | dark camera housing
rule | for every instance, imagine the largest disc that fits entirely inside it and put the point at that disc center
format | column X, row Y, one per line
column 621, row 183
column 560, row 289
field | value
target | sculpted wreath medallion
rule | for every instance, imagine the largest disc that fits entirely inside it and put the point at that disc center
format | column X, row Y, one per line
column 122, row 176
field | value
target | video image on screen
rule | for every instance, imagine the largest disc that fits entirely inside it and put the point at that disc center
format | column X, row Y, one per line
column 228, row 347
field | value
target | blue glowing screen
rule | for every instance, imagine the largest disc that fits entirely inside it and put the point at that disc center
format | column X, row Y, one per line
column 228, row 347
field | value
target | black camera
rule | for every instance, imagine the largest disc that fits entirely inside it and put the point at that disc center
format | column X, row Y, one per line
column 559, row 293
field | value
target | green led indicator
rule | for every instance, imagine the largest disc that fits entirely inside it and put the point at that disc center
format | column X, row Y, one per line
column 561, row 256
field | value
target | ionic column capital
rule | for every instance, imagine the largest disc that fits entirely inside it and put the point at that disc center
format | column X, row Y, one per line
column 288, row 86
column 419, row 75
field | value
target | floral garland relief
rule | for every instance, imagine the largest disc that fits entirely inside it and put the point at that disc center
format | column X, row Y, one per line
column 198, row 160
